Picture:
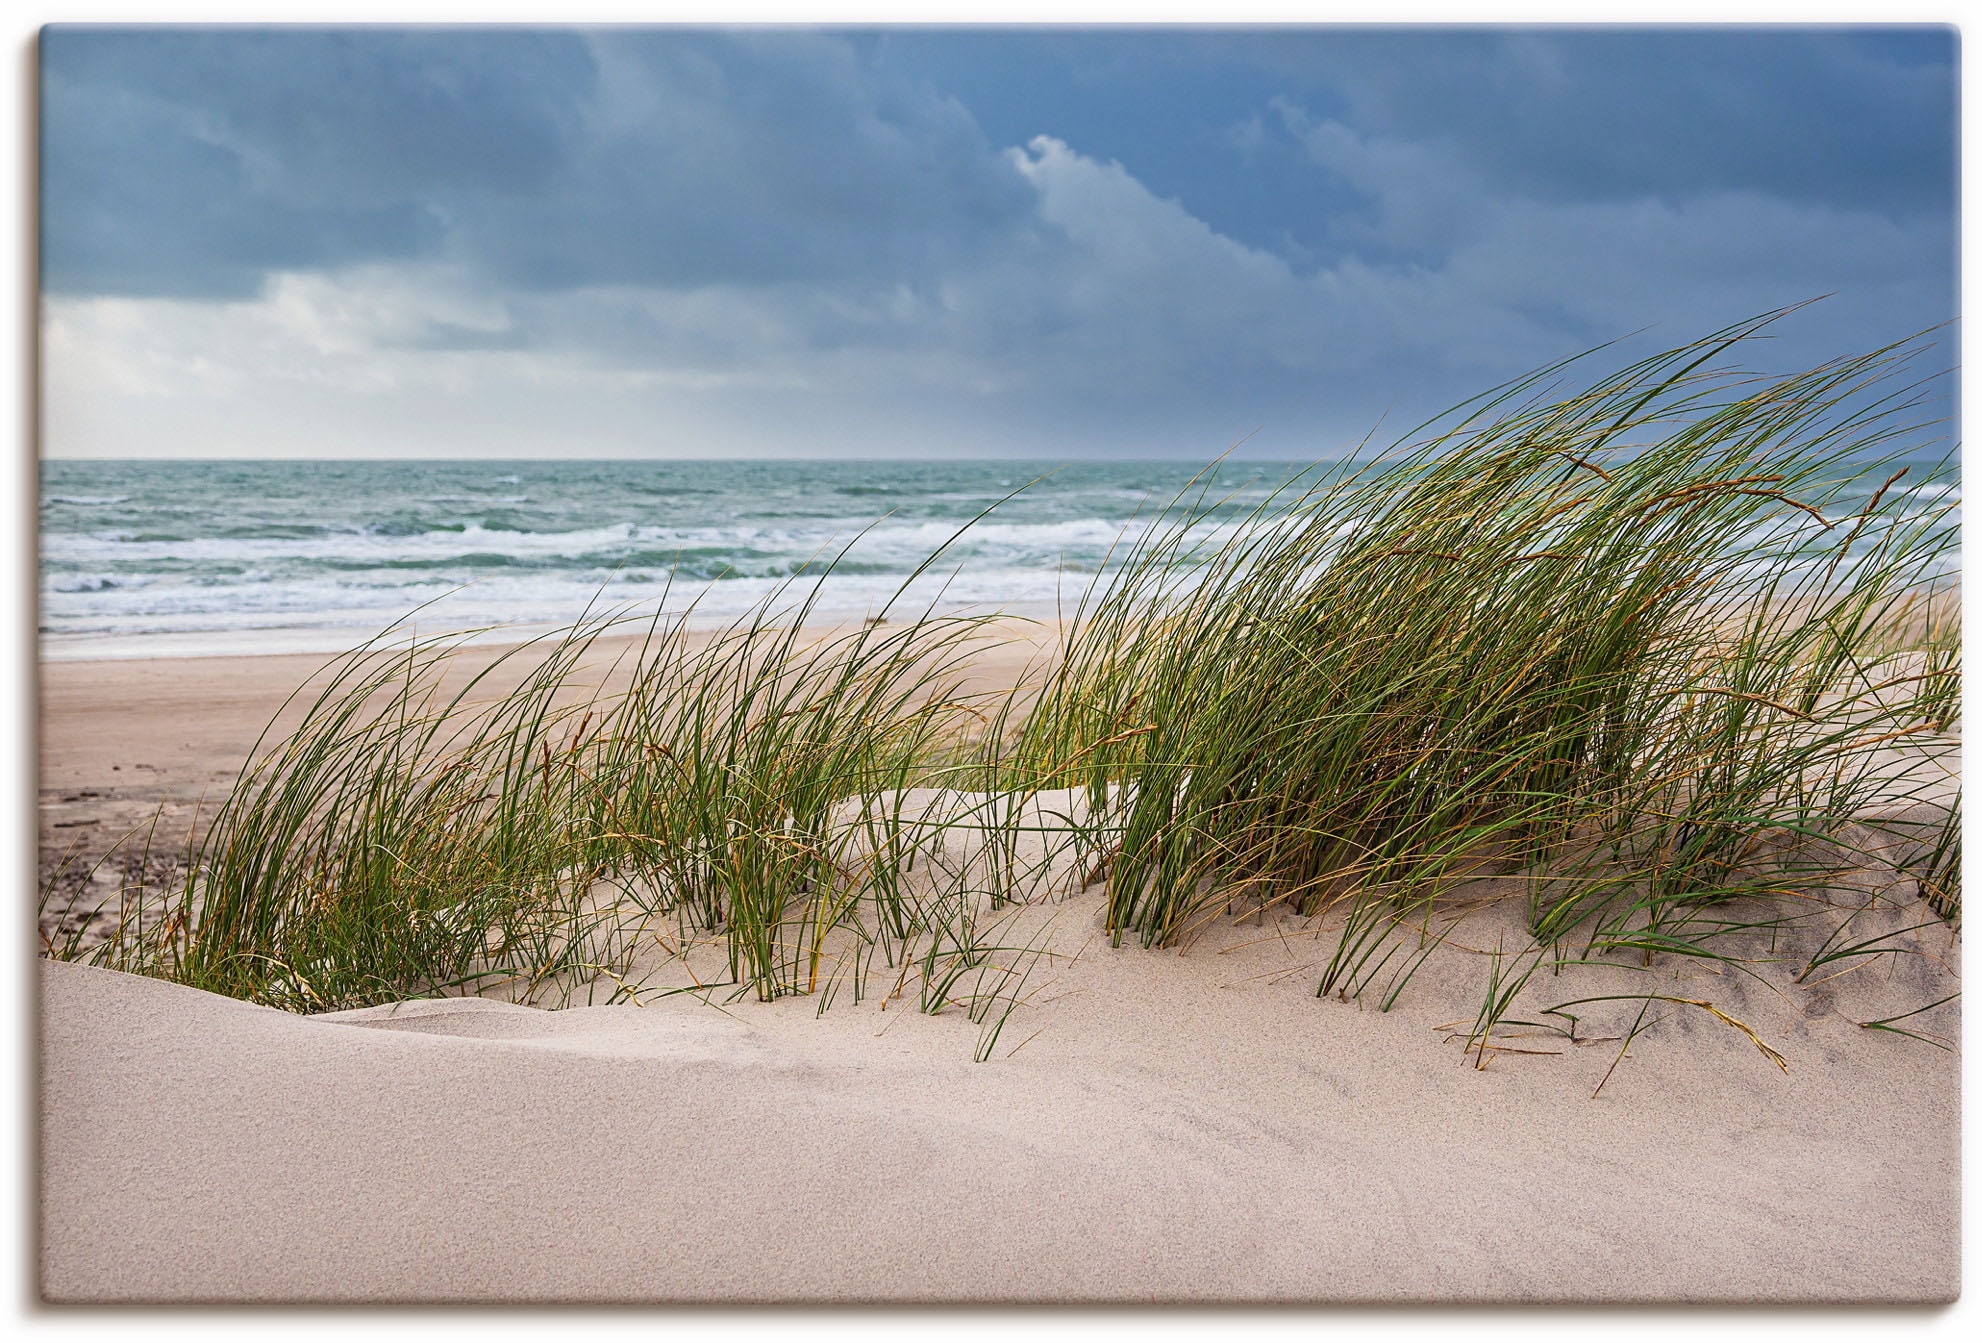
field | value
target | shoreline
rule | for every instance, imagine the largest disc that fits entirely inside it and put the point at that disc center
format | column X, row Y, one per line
column 331, row 641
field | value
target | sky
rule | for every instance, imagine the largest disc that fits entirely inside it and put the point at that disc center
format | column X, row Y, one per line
column 928, row 242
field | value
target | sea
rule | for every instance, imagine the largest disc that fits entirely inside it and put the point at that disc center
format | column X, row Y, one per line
column 178, row 558
column 190, row 558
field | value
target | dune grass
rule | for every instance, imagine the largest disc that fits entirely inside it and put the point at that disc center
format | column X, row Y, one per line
column 1657, row 650
column 1629, row 646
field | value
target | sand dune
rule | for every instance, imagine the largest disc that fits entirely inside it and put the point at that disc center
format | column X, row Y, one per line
column 1152, row 1127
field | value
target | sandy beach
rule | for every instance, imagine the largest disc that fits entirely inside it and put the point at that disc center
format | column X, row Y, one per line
column 1152, row 1125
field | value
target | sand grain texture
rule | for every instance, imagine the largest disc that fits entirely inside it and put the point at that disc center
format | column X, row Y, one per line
column 1166, row 1131
column 1152, row 1126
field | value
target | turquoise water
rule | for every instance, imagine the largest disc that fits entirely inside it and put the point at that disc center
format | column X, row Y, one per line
column 217, row 557
column 227, row 556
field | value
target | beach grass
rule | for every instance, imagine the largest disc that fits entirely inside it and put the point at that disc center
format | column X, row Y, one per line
column 1662, row 652
column 1625, row 644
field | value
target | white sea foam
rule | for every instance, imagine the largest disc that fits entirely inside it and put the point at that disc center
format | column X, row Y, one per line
column 361, row 546
column 227, row 557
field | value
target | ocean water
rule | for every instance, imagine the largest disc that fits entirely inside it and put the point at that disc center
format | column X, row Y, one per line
column 189, row 557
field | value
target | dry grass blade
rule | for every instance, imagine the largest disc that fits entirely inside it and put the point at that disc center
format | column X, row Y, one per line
column 1768, row 1052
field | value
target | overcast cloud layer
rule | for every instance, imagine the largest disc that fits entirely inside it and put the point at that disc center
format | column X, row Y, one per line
column 1042, row 244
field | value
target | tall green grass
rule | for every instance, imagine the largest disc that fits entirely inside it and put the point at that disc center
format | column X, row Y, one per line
column 1627, row 645
column 1622, row 642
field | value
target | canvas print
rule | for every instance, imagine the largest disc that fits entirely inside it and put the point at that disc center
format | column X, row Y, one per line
column 1026, row 665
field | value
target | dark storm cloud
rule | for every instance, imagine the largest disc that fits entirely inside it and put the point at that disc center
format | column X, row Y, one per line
column 190, row 162
column 1853, row 120
column 1137, row 241
column 137, row 201
column 766, row 158
column 1861, row 121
